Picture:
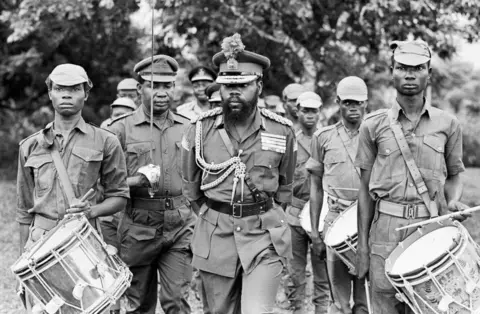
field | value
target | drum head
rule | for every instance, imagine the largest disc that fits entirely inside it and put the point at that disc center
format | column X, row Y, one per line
column 305, row 220
column 344, row 227
column 53, row 239
column 422, row 249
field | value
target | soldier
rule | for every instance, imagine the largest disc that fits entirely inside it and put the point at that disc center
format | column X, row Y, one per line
column 289, row 96
column 119, row 107
column 213, row 94
column 389, row 196
column 128, row 88
column 308, row 105
column 89, row 154
column 272, row 102
column 200, row 77
column 334, row 176
column 238, row 164
column 156, row 230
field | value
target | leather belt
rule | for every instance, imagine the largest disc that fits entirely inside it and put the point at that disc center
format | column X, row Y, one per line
column 407, row 211
column 165, row 203
column 340, row 201
column 239, row 210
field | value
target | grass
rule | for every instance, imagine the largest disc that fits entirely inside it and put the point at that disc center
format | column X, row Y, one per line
column 10, row 303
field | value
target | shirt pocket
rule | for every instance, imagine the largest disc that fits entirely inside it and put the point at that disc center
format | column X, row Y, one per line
column 390, row 159
column 274, row 222
column 84, row 166
column 137, row 155
column 432, row 153
column 43, row 172
column 203, row 231
column 136, row 243
column 264, row 172
column 335, row 162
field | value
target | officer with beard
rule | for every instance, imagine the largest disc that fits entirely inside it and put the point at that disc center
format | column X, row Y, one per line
column 238, row 163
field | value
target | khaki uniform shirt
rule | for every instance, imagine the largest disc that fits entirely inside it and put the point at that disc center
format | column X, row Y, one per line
column 89, row 154
column 331, row 161
column 221, row 240
column 133, row 131
column 190, row 110
column 301, row 178
column 436, row 145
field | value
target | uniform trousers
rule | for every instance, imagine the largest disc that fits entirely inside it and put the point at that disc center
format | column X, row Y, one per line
column 383, row 240
column 252, row 293
column 297, row 269
column 158, row 241
column 341, row 280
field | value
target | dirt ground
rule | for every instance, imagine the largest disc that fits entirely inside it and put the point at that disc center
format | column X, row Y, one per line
column 9, row 251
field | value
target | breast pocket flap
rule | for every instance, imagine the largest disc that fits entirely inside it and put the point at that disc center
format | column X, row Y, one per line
column 387, row 147
column 434, row 142
column 87, row 154
column 335, row 156
column 38, row 161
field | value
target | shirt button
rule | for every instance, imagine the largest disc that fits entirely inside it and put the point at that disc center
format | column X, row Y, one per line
column 281, row 221
column 387, row 151
column 440, row 148
column 238, row 229
column 410, row 184
column 413, row 134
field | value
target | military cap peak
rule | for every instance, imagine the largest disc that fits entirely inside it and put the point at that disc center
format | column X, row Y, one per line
column 273, row 116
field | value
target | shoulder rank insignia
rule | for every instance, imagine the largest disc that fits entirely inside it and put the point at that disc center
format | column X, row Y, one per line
column 273, row 116
column 376, row 113
column 210, row 113
column 274, row 142
column 324, row 129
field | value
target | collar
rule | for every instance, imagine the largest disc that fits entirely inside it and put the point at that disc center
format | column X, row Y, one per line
column 140, row 117
column 258, row 122
column 49, row 133
column 351, row 134
column 397, row 109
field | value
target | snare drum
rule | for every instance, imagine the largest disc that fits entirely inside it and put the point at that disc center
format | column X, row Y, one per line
column 342, row 236
column 305, row 220
column 71, row 270
column 436, row 270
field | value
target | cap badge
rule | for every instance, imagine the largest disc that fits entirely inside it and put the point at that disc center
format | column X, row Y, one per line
column 201, row 72
column 231, row 47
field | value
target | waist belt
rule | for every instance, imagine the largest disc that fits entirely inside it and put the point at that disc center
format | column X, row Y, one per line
column 340, row 201
column 165, row 203
column 408, row 211
column 239, row 210
column 298, row 203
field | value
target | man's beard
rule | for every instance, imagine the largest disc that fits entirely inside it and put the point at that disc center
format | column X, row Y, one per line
column 247, row 108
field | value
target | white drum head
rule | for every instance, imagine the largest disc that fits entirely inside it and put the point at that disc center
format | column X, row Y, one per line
column 425, row 250
column 343, row 227
column 305, row 220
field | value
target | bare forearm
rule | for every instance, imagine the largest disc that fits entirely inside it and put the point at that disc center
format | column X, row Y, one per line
column 366, row 210
column 316, row 201
column 23, row 228
column 109, row 206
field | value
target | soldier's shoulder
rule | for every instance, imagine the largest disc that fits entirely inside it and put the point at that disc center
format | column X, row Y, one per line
column 275, row 117
column 212, row 113
column 185, row 106
column 100, row 129
column 120, row 118
column 325, row 129
column 30, row 139
column 181, row 118
column 376, row 114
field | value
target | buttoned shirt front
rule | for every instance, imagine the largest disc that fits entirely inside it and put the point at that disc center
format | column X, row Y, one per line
column 89, row 154
column 221, row 240
column 191, row 109
column 137, row 141
column 331, row 162
column 436, row 145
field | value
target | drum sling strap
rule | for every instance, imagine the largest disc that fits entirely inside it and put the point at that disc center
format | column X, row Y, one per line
column 64, row 179
column 258, row 195
column 351, row 152
column 411, row 165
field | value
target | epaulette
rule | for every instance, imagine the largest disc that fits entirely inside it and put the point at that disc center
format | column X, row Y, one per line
column 96, row 126
column 325, row 129
column 32, row 135
column 210, row 113
column 273, row 116
column 121, row 117
column 376, row 113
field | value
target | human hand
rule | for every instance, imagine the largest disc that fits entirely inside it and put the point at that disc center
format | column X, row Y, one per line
column 80, row 207
column 456, row 206
column 318, row 246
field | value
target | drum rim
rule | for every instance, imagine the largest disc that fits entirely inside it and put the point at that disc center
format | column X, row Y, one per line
column 416, row 235
column 340, row 216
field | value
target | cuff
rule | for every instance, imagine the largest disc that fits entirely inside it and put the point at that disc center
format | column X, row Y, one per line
column 314, row 167
column 24, row 218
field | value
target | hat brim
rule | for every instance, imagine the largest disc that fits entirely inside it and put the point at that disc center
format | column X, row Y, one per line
column 215, row 99
column 159, row 78
column 353, row 97
column 411, row 59
column 236, row 79
column 67, row 80
column 310, row 103
column 294, row 95
column 202, row 78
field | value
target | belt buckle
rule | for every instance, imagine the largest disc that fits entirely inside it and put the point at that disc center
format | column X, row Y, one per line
column 410, row 211
column 168, row 203
column 234, row 211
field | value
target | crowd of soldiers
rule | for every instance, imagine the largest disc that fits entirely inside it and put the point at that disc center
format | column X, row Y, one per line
column 235, row 174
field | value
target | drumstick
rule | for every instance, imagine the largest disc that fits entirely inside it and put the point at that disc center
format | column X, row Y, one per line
column 90, row 193
column 440, row 218
column 367, row 295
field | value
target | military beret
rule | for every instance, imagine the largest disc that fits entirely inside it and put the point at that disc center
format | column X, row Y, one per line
column 309, row 100
column 237, row 65
column 411, row 53
column 352, row 87
column 124, row 102
column 128, row 83
column 163, row 67
column 69, row 74
column 202, row 73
